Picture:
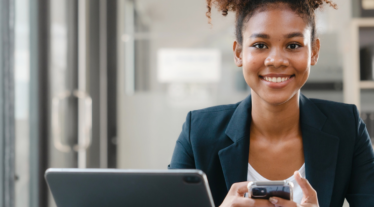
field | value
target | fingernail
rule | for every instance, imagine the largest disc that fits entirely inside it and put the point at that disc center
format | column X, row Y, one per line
column 273, row 200
column 299, row 174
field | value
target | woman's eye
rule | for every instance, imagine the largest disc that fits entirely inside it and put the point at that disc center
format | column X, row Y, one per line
column 260, row 46
column 293, row 46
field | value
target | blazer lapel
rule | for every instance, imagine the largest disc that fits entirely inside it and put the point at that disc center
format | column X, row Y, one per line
column 320, row 150
column 234, row 158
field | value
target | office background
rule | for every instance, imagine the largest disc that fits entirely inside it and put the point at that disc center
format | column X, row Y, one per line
column 108, row 83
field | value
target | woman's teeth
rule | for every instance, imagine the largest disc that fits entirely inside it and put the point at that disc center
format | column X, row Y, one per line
column 276, row 79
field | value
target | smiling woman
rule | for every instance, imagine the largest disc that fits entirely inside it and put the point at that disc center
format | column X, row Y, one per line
column 277, row 133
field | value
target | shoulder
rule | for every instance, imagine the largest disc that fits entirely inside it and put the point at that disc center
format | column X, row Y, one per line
column 209, row 124
column 341, row 117
column 213, row 114
column 331, row 104
column 335, row 109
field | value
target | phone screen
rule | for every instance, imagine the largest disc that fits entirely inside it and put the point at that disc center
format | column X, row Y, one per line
column 266, row 192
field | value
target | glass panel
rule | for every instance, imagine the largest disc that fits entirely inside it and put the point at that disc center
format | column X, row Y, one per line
column 62, row 77
column 22, row 71
column 152, row 115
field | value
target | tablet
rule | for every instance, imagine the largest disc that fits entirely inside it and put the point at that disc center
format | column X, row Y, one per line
column 114, row 187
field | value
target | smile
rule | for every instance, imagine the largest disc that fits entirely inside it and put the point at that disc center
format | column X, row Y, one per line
column 276, row 79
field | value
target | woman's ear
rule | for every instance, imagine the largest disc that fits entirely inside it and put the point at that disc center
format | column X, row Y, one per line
column 237, row 50
column 315, row 52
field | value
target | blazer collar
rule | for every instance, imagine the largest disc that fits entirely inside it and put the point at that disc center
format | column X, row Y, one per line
column 238, row 126
column 310, row 114
column 234, row 158
column 320, row 148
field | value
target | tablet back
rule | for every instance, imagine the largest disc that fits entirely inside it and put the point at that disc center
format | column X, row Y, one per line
column 112, row 188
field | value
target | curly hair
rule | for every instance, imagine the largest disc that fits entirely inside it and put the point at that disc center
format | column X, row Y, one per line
column 244, row 9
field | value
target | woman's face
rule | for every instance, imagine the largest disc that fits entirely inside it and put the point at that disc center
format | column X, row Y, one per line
column 276, row 54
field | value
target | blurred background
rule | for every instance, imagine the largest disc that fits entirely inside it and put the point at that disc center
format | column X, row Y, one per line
column 108, row 83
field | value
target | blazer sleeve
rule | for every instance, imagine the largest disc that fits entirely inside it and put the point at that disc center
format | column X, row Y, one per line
column 361, row 185
column 183, row 154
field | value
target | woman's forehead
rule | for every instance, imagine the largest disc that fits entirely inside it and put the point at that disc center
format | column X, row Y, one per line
column 276, row 21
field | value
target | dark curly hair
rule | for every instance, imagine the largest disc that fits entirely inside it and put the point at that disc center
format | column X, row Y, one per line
column 244, row 9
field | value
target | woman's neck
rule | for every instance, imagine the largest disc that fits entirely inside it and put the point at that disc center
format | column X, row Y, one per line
column 275, row 121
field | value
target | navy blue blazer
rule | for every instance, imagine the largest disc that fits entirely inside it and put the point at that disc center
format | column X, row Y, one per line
column 339, row 158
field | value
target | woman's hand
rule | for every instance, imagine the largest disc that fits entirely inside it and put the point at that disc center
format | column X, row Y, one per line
column 235, row 198
column 310, row 198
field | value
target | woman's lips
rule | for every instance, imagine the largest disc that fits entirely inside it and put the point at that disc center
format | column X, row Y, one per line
column 277, row 81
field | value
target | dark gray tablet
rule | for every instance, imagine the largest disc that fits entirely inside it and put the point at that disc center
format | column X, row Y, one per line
column 113, row 187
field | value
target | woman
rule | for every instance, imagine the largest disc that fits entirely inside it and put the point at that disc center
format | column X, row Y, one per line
column 276, row 130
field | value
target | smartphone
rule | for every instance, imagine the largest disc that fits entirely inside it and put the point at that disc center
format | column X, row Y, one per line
column 266, row 189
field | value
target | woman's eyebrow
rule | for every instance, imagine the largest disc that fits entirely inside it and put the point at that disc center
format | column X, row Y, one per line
column 294, row 34
column 288, row 36
column 260, row 35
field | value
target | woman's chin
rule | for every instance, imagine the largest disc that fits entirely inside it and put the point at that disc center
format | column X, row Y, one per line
column 277, row 102
column 277, row 99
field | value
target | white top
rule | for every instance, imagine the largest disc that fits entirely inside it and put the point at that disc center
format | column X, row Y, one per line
column 253, row 175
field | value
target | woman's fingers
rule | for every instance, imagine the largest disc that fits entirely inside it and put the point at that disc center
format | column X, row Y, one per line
column 310, row 195
column 280, row 202
column 248, row 202
column 260, row 203
column 239, row 188
column 304, row 184
column 235, row 198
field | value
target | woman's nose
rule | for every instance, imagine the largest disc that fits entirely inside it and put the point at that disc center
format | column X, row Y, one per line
column 276, row 59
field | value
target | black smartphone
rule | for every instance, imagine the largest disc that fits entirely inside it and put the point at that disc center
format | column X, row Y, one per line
column 266, row 189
